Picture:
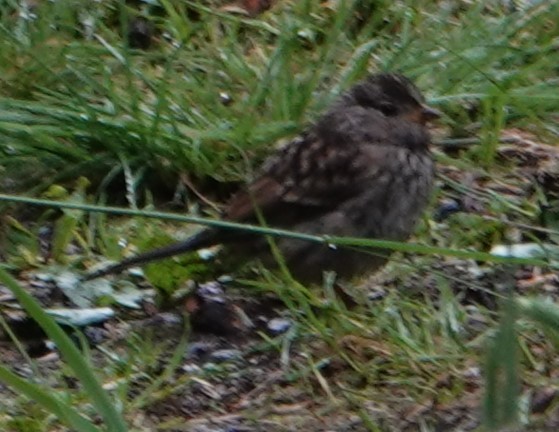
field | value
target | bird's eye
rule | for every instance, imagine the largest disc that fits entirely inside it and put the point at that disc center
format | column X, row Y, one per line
column 388, row 109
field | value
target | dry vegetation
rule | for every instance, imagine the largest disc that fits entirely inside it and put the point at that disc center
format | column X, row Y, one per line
column 169, row 104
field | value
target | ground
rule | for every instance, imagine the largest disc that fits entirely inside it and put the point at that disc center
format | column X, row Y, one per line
column 169, row 105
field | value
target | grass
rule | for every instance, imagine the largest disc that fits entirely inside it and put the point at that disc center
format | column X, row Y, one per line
column 86, row 119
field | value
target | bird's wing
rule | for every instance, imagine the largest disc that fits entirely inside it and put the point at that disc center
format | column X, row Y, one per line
column 308, row 176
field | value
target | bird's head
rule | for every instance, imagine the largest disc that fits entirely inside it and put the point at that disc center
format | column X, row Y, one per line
column 394, row 95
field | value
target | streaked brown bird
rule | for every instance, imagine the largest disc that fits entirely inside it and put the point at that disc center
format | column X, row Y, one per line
column 363, row 169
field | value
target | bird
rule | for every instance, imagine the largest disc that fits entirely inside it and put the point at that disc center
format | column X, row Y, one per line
column 363, row 169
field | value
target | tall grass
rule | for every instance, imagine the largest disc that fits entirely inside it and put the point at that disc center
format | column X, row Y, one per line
column 210, row 99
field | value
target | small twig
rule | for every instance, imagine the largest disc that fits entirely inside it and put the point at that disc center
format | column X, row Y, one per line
column 186, row 180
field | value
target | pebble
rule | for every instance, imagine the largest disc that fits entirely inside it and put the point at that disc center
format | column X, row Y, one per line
column 278, row 326
column 225, row 355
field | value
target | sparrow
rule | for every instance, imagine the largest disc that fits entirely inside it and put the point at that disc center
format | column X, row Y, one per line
column 363, row 169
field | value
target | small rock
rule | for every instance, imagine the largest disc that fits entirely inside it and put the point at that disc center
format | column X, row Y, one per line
column 225, row 98
column 376, row 293
column 140, row 33
column 472, row 373
column 192, row 369
column 198, row 349
column 96, row 335
column 278, row 326
column 542, row 399
column 211, row 312
column 446, row 208
column 225, row 355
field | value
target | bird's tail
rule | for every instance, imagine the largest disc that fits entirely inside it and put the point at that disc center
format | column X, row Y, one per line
column 205, row 238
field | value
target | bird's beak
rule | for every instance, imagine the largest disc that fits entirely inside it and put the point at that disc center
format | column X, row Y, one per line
column 428, row 113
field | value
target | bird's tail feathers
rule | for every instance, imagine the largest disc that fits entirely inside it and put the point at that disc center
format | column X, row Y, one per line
column 205, row 238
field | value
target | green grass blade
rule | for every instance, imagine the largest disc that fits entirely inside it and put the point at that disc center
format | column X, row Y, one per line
column 71, row 354
column 66, row 413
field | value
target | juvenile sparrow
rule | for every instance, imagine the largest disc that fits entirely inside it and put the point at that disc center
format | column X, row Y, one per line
column 363, row 169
